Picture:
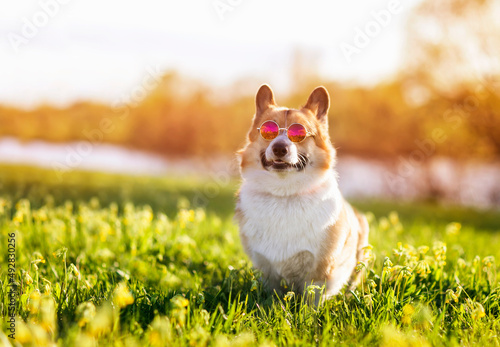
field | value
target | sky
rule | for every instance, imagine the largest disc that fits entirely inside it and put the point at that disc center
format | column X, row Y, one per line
column 62, row 51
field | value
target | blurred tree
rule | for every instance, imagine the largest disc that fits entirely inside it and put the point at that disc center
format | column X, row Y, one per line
column 453, row 55
column 448, row 85
column 454, row 43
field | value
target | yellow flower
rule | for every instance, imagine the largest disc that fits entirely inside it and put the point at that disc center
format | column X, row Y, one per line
column 406, row 272
column 104, row 231
column 451, row 296
column 155, row 338
column 408, row 311
column 147, row 216
column 368, row 254
column 102, row 322
column 423, row 250
column 37, row 258
column 289, row 296
column 255, row 285
column 398, row 251
column 461, row 263
column 85, row 340
column 476, row 261
column 161, row 332
column 368, row 300
column 478, row 312
column 27, row 278
column 74, row 271
column 85, row 312
column 23, row 334
column 48, row 314
column 312, row 289
column 18, row 217
column 122, row 297
column 394, row 218
column 47, row 287
column 185, row 216
column 453, row 228
column 179, row 304
column 40, row 215
column 489, row 261
column 23, row 204
column 360, row 266
column 34, row 301
column 388, row 263
column 179, row 301
column 283, row 283
column 422, row 268
column 476, row 309
column 439, row 250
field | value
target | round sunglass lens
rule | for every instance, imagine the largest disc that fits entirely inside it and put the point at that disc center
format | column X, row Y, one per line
column 269, row 130
column 297, row 133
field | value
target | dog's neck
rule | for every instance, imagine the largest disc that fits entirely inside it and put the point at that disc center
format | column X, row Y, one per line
column 304, row 184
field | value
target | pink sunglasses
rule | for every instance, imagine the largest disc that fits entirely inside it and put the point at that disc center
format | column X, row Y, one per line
column 296, row 132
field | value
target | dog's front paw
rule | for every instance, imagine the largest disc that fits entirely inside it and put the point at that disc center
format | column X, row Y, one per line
column 297, row 269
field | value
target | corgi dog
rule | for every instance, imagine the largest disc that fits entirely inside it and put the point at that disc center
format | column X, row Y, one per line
column 294, row 223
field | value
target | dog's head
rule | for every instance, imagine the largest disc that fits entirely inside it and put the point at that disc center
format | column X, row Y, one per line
column 281, row 165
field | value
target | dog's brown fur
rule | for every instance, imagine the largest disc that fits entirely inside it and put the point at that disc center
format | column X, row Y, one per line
column 342, row 243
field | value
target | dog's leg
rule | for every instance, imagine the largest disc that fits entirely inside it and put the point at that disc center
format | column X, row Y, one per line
column 271, row 277
column 297, row 269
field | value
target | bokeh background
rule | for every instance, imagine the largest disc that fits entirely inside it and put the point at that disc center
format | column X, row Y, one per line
column 158, row 88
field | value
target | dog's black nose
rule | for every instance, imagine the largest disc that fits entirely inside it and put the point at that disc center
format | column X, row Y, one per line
column 280, row 149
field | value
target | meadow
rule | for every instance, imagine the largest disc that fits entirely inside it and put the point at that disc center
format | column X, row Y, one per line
column 106, row 259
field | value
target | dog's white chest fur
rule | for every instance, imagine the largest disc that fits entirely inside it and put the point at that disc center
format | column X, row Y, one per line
column 278, row 227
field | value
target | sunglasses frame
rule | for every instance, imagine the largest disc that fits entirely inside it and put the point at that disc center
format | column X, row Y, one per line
column 286, row 129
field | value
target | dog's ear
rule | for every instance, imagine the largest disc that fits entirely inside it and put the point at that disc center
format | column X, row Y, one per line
column 319, row 103
column 264, row 98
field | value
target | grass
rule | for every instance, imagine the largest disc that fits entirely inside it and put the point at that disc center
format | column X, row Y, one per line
column 131, row 261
